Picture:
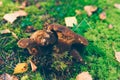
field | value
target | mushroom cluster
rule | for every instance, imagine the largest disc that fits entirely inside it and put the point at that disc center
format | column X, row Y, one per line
column 54, row 39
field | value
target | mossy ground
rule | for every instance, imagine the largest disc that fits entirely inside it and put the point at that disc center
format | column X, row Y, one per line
column 99, row 54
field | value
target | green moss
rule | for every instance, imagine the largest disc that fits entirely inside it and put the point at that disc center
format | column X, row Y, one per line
column 98, row 55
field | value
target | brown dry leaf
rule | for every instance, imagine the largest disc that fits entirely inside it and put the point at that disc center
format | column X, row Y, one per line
column 110, row 26
column 20, row 13
column 116, row 5
column 102, row 16
column 90, row 9
column 70, row 21
column 78, row 12
column 10, row 17
column 20, row 68
column 6, row 31
column 33, row 66
column 14, row 35
column 6, row 76
column 84, row 76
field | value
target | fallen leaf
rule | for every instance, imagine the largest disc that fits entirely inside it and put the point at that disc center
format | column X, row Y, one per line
column 116, row 5
column 90, row 9
column 6, row 31
column 70, row 21
column 23, row 5
column 20, row 68
column 20, row 13
column 78, row 12
column 102, row 16
column 10, row 17
column 1, row 3
column 38, row 5
column 117, row 56
column 6, row 76
column 33, row 66
column 13, row 16
column 14, row 35
column 110, row 26
column 84, row 76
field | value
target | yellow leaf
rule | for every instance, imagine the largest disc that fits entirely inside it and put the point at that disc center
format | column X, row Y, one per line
column 84, row 76
column 20, row 68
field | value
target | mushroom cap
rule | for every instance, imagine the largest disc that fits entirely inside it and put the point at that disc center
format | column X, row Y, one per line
column 24, row 42
column 66, row 35
column 44, row 37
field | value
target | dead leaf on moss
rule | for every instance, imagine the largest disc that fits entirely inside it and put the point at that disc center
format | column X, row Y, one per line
column 70, row 21
column 20, row 13
column 38, row 5
column 5, row 31
column 1, row 3
column 110, row 26
column 117, row 56
column 78, row 12
column 116, row 5
column 102, row 16
column 33, row 66
column 14, row 35
column 10, row 17
column 20, row 68
column 6, row 76
column 84, row 76
column 90, row 9
column 23, row 5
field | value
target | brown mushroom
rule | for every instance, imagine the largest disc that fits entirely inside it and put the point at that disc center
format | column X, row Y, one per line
column 67, row 40
column 56, row 38
column 44, row 37
column 66, row 35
